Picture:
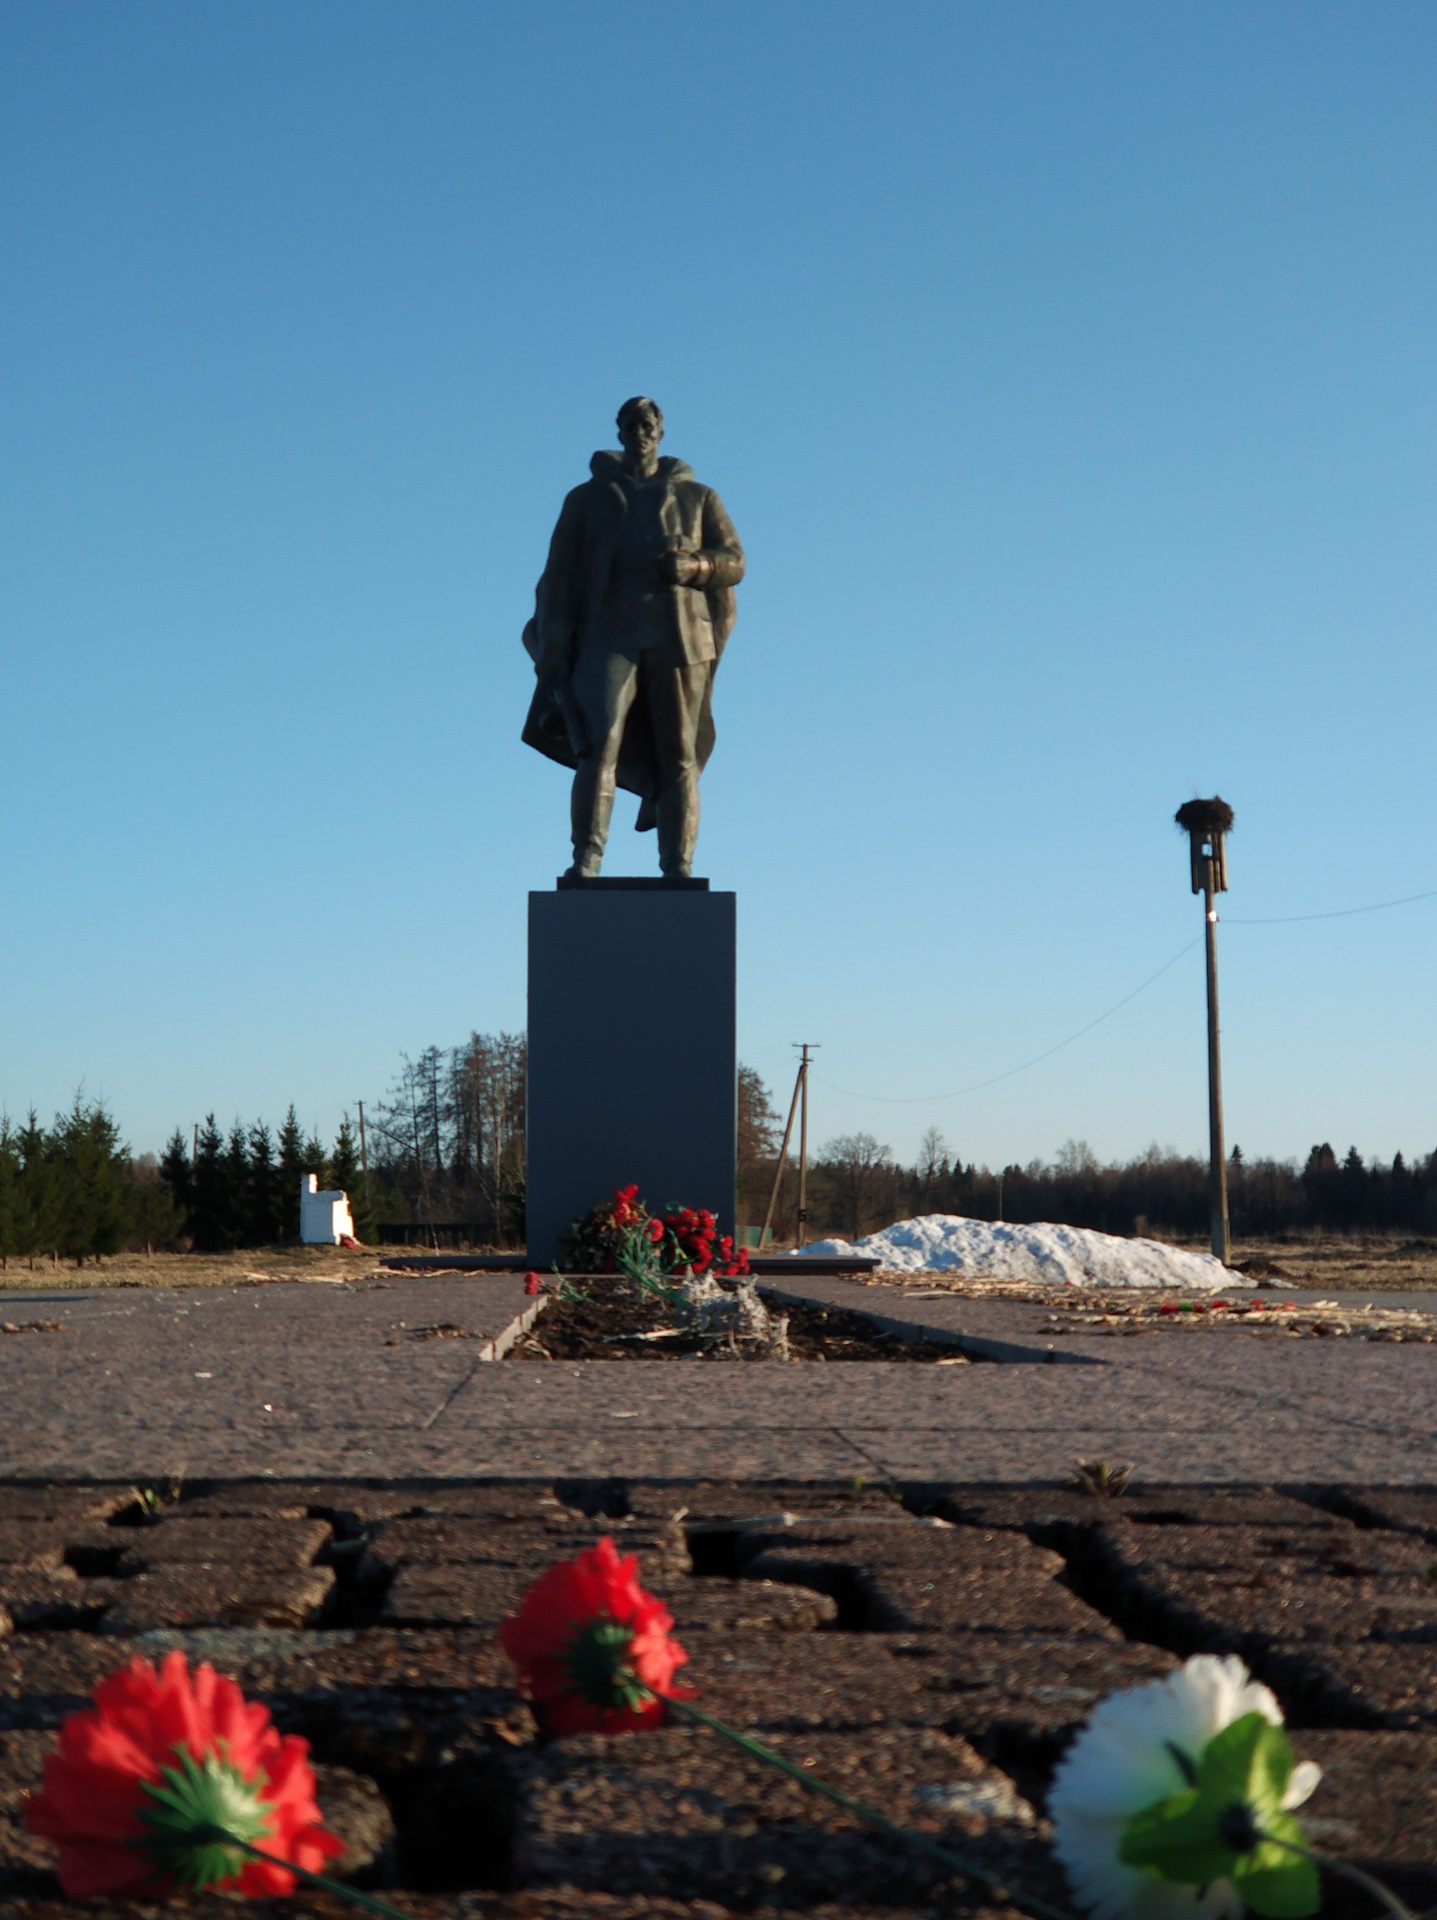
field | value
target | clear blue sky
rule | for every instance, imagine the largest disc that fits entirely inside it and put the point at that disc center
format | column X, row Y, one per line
column 1067, row 370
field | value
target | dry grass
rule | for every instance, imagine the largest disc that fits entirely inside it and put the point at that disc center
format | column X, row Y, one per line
column 1329, row 1263
column 1335, row 1263
column 251, row 1266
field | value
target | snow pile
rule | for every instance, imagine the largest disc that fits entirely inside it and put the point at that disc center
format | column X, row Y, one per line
column 1053, row 1255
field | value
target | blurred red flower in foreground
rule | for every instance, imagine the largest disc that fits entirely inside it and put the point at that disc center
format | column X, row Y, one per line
column 532, row 1283
column 592, row 1648
column 160, row 1756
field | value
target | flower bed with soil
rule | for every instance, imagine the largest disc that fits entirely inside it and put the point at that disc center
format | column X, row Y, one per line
column 614, row 1321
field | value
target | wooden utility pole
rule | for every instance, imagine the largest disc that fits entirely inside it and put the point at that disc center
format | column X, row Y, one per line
column 363, row 1149
column 1206, row 822
column 782, row 1159
column 807, row 1047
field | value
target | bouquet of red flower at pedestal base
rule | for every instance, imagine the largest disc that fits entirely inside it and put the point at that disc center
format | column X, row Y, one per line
column 592, row 1244
column 622, row 1237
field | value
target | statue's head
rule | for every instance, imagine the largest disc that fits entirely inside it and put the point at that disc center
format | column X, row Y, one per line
column 641, row 427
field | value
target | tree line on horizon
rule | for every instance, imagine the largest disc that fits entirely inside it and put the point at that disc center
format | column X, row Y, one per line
column 446, row 1148
column 241, row 1188
column 71, row 1190
column 856, row 1186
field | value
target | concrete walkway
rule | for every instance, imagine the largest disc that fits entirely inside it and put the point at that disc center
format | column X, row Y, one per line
column 390, row 1379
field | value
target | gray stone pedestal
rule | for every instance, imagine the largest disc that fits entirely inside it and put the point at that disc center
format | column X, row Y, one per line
column 631, row 1051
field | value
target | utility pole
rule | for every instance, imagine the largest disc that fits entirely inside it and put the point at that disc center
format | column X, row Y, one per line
column 806, row 1047
column 782, row 1158
column 364, row 1159
column 1206, row 822
column 195, row 1154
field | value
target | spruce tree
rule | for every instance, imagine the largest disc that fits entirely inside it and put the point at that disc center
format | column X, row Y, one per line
column 9, row 1192
column 235, row 1169
column 37, row 1220
column 154, row 1216
column 316, row 1161
column 90, row 1183
column 264, row 1202
column 179, row 1177
column 290, row 1167
column 207, row 1218
column 105, row 1183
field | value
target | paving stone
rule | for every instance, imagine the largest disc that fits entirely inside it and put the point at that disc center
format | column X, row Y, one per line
column 190, row 1595
column 1028, row 1695
column 937, row 1580
column 35, row 1544
column 555, row 1903
column 720, row 1501
column 984, row 1659
column 44, row 1676
column 1063, row 1517
column 25, row 1861
column 1407, row 1512
column 455, row 1596
column 63, row 1505
column 269, row 1499
column 324, row 1499
column 1244, row 1611
column 438, row 1540
column 1020, row 1702
column 50, row 1599
column 357, row 1812
column 1363, row 1685
column 679, row 1811
column 836, row 1682
column 272, row 1542
column 743, row 1606
column 1291, row 1552
column 1223, row 1507
column 1376, row 1806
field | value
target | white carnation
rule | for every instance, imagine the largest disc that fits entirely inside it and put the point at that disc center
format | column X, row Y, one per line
column 1122, row 1761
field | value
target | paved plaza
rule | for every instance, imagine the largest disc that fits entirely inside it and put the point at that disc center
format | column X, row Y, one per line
column 395, row 1379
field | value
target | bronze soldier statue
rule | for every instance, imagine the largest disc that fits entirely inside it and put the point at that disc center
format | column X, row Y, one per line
column 631, row 615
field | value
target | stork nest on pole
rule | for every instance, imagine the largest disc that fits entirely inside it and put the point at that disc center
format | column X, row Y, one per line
column 1205, row 816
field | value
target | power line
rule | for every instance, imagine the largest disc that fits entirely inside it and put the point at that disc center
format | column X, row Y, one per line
column 1275, row 920
column 914, row 1100
column 1342, row 913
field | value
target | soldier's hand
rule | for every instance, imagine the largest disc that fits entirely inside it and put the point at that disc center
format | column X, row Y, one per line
column 676, row 569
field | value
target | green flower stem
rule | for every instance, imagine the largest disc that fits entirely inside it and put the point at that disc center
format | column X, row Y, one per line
column 208, row 1832
column 1344, row 1868
column 954, row 1862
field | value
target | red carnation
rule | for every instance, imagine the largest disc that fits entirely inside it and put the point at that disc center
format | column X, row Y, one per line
column 138, row 1785
column 532, row 1283
column 592, row 1648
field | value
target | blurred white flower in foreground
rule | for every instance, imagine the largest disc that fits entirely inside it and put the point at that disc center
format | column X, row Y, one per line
column 1123, row 1761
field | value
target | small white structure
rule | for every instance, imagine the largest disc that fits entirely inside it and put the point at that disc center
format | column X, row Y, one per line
column 324, row 1218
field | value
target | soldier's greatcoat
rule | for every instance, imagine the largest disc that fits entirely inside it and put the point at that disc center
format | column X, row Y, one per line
column 575, row 607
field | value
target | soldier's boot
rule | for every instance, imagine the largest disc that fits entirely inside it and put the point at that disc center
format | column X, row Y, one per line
column 590, row 811
column 678, row 830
